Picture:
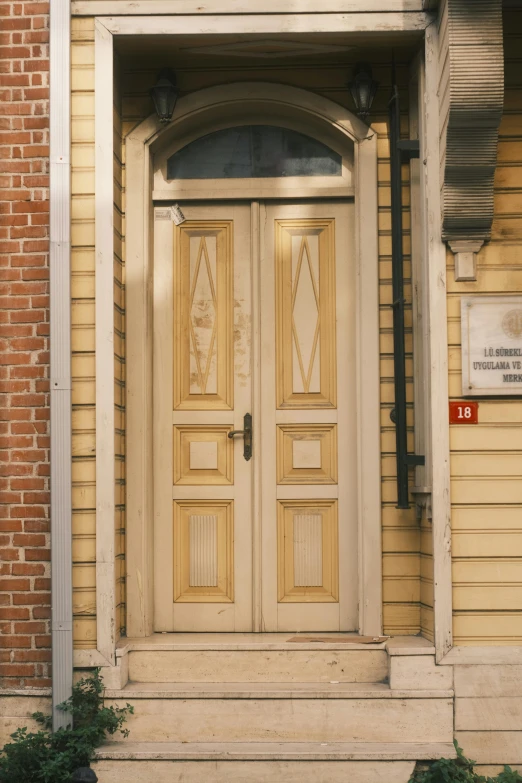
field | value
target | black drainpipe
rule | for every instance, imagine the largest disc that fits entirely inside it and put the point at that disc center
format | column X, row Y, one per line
column 400, row 152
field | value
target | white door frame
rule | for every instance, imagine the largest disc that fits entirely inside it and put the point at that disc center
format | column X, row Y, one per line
column 204, row 109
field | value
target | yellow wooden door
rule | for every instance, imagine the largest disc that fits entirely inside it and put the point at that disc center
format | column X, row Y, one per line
column 254, row 313
column 202, row 391
column 308, row 428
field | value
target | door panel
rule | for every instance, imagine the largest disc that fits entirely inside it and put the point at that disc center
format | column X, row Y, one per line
column 301, row 389
column 305, row 311
column 308, row 355
column 202, row 481
column 204, row 313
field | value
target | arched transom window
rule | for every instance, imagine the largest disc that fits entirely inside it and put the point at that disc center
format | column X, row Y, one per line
column 254, row 151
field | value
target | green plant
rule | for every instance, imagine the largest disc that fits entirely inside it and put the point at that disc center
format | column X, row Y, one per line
column 458, row 770
column 47, row 757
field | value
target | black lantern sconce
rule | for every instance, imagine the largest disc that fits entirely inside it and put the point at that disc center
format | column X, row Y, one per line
column 165, row 94
column 363, row 89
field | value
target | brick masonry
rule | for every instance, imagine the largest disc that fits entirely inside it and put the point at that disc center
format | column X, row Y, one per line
column 24, row 345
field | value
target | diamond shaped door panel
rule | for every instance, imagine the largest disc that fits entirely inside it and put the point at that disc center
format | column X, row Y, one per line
column 203, row 348
column 305, row 290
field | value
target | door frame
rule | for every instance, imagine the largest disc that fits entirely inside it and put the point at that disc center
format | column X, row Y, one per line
column 206, row 109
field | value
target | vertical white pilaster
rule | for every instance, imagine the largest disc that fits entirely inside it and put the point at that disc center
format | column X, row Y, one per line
column 105, row 421
column 60, row 330
column 435, row 261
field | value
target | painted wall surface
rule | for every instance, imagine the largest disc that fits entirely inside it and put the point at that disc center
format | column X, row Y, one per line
column 83, row 334
column 327, row 76
column 486, row 460
column 83, row 342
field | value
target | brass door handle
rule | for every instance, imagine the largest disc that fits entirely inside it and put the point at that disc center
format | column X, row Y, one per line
column 246, row 432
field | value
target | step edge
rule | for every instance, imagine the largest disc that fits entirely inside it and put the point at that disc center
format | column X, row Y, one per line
column 256, row 752
column 287, row 692
column 240, row 647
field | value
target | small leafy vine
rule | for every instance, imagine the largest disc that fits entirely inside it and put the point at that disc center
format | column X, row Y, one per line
column 459, row 770
column 51, row 757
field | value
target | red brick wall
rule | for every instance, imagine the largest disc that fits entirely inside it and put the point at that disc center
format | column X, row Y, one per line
column 24, row 328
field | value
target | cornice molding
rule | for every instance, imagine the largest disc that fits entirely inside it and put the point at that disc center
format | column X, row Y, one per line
column 471, row 99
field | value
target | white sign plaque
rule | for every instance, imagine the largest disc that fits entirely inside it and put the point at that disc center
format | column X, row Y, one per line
column 491, row 345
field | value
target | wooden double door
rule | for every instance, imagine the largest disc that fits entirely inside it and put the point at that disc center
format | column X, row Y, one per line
column 254, row 432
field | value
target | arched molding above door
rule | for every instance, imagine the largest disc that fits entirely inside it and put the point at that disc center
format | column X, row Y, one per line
column 198, row 114
column 205, row 107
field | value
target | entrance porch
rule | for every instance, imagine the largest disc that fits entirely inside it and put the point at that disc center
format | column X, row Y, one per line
column 253, row 707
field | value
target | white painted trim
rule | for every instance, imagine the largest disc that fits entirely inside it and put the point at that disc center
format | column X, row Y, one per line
column 483, row 655
column 255, row 253
column 435, row 259
column 104, row 309
column 139, row 429
column 271, row 24
column 200, row 109
column 181, row 7
column 419, row 273
column 60, row 358
column 261, row 193
column 368, row 389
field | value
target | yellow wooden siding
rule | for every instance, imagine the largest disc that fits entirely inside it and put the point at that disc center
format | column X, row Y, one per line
column 83, row 336
column 83, row 345
column 119, row 356
column 401, row 533
column 486, row 460
column 400, row 530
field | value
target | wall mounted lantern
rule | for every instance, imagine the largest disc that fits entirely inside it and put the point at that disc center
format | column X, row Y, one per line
column 363, row 89
column 165, row 94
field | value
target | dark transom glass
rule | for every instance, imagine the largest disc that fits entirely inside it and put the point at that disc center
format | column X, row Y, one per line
column 254, row 151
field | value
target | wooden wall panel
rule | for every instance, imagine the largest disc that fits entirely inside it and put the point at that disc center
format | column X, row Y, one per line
column 119, row 357
column 401, row 538
column 401, row 532
column 486, row 460
column 82, row 293
column 83, row 342
column 135, row 73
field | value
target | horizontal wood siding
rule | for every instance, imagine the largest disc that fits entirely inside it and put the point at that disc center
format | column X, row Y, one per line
column 83, row 335
column 401, row 539
column 486, row 459
column 119, row 357
column 328, row 77
column 135, row 74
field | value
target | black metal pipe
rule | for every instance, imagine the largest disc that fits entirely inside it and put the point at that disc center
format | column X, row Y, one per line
column 399, row 152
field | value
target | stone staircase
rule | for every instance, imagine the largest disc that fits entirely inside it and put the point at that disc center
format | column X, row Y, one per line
column 251, row 708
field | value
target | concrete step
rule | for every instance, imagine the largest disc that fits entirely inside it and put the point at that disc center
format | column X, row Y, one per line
column 258, row 665
column 252, row 762
column 334, row 689
column 285, row 712
column 252, row 658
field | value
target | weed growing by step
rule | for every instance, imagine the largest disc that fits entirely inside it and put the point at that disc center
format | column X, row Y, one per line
column 459, row 770
column 47, row 757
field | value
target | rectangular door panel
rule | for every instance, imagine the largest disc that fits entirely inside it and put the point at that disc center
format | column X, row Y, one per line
column 305, row 315
column 202, row 390
column 309, row 527
column 204, row 312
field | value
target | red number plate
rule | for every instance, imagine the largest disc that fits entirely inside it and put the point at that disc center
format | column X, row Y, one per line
column 462, row 412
